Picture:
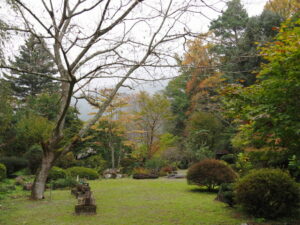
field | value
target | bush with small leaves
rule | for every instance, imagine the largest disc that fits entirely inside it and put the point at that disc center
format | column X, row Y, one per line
column 226, row 194
column 83, row 172
column 63, row 183
column 57, row 173
column 268, row 193
column 210, row 173
column 2, row 171
column 13, row 164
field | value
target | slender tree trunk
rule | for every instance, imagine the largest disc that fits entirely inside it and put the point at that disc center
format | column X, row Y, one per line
column 119, row 158
column 39, row 184
column 112, row 157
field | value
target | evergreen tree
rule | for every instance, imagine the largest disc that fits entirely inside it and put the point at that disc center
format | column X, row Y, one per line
column 35, row 60
column 228, row 29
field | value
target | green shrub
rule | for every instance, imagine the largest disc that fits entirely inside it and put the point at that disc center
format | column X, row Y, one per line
column 229, row 158
column 268, row 193
column 210, row 173
column 13, row 164
column 95, row 162
column 66, row 161
column 57, row 173
column 155, row 164
column 2, row 171
column 4, row 188
column 34, row 157
column 68, row 182
column 83, row 172
column 226, row 194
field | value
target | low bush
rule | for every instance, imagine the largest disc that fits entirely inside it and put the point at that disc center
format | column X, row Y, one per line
column 83, row 172
column 13, row 164
column 2, row 171
column 63, row 183
column 143, row 173
column 268, row 193
column 155, row 164
column 229, row 158
column 226, row 194
column 7, row 188
column 210, row 173
column 95, row 161
column 141, row 170
column 57, row 173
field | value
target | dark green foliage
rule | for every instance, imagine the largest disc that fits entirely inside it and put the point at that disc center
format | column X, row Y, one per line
column 2, row 171
column 34, row 157
column 269, row 158
column 229, row 158
column 226, row 194
column 63, row 183
column 268, row 193
column 175, row 91
column 294, row 167
column 155, row 164
column 57, row 173
column 83, row 172
column 13, row 164
column 33, row 60
column 95, row 162
column 210, row 173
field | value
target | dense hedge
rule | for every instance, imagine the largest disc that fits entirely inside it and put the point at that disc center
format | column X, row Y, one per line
column 68, row 182
column 14, row 164
column 83, row 172
column 2, row 171
column 57, row 173
column 268, row 193
column 210, row 173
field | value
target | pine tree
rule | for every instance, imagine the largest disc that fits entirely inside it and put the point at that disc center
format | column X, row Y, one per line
column 33, row 60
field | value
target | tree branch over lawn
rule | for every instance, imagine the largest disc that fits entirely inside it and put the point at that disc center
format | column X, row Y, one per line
column 98, row 39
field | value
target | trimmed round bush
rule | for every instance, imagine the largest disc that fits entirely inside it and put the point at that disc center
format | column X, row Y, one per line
column 2, row 171
column 268, row 193
column 57, row 173
column 83, row 172
column 13, row 164
column 210, row 173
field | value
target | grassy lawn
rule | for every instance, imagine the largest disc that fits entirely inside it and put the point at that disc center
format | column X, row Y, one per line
column 124, row 201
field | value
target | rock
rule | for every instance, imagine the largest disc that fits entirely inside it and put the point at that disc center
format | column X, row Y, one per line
column 144, row 176
column 27, row 186
column 86, row 204
column 176, row 176
column 80, row 189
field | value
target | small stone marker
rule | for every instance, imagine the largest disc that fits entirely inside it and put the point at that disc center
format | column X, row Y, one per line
column 86, row 202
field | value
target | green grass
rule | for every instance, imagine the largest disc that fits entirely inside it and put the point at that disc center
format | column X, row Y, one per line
column 124, row 201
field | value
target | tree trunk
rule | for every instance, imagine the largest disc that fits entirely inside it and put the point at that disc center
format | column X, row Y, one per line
column 39, row 184
column 112, row 157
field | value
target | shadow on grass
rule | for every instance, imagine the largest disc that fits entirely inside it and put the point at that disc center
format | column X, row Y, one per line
column 202, row 190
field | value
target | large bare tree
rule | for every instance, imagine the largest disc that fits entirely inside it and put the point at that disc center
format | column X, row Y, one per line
column 91, row 41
